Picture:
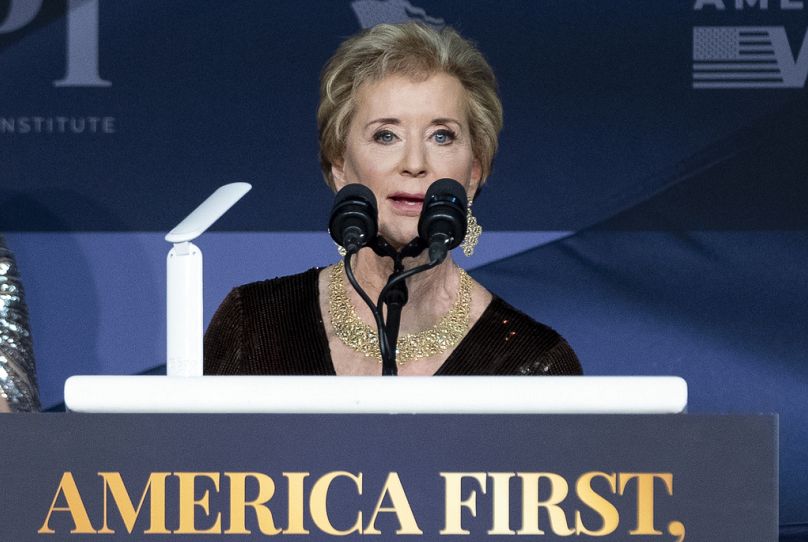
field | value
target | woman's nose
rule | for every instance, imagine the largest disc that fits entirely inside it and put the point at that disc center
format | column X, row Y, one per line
column 414, row 160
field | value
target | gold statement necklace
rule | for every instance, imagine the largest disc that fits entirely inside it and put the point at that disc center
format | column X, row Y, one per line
column 356, row 334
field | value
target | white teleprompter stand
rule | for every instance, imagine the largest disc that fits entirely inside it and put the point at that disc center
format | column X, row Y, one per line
column 184, row 323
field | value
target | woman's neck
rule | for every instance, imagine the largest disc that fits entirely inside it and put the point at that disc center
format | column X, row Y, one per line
column 430, row 293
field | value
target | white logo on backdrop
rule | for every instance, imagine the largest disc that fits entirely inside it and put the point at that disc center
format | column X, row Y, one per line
column 747, row 57
column 82, row 38
column 741, row 5
column 81, row 68
column 373, row 12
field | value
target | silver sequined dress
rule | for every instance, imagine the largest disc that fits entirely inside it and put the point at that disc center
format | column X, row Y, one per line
column 17, row 370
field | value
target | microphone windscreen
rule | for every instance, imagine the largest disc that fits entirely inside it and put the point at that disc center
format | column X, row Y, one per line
column 355, row 191
column 354, row 214
column 447, row 189
column 444, row 211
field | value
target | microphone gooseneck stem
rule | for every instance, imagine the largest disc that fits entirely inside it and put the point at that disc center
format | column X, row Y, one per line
column 395, row 295
column 394, row 299
column 393, row 323
column 384, row 346
column 354, row 239
column 439, row 248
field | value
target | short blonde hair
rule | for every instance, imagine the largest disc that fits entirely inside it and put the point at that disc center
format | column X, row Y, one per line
column 413, row 50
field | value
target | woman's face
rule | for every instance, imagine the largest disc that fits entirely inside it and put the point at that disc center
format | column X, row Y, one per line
column 405, row 135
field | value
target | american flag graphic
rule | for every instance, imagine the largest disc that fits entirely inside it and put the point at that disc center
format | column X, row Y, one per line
column 737, row 57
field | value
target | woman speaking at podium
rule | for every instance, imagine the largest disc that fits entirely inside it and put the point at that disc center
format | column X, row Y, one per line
column 401, row 106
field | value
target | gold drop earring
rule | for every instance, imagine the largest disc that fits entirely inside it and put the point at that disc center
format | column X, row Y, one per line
column 473, row 232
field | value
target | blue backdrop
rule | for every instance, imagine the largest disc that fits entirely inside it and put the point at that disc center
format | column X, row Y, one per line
column 659, row 225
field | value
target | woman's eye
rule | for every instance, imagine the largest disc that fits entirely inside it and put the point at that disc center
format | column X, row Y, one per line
column 385, row 137
column 443, row 137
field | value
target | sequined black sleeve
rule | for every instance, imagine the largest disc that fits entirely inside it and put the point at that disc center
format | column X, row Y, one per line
column 506, row 341
column 560, row 360
column 17, row 370
column 270, row 327
column 224, row 340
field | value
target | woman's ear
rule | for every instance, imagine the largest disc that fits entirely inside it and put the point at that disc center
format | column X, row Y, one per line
column 338, row 173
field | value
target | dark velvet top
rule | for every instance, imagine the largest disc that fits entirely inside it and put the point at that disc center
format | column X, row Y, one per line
column 275, row 327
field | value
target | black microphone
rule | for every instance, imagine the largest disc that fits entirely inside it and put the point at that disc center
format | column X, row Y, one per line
column 354, row 217
column 442, row 224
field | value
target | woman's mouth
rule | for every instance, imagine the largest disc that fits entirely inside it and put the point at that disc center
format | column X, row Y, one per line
column 407, row 204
